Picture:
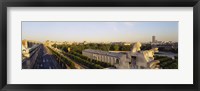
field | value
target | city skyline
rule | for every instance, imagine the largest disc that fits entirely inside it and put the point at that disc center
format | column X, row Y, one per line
column 100, row 31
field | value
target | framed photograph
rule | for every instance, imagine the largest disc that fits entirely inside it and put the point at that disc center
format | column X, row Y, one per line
column 99, row 45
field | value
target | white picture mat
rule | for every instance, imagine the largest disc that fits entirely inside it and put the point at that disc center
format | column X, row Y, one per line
column 182, row 75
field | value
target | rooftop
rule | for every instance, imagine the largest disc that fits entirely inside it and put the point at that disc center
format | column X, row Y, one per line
column 103, row 52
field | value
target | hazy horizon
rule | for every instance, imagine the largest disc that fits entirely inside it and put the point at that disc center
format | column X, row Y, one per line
column 100, row 31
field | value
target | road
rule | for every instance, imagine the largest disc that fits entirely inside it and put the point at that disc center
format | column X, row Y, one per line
column 43, row 58
column 46, row 60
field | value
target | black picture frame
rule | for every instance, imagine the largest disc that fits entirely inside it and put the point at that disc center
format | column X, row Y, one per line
column 99, row 3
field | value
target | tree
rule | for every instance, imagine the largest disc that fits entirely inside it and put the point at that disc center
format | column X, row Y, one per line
column 116, row 47
column 124, row 47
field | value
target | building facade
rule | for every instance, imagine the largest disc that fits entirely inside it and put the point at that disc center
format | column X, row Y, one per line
column 117, row 59
column 153, row 39
column 134, row 59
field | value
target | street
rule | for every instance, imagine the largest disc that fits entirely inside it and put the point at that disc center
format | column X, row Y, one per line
column 41, row 58
column 46, row 60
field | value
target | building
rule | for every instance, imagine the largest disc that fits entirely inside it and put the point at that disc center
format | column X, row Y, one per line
column 49, row 43
column 153, row 39
column 108, row 57
column 85, row 42
column 28, row 47
column 127, row 43
column 134, row 59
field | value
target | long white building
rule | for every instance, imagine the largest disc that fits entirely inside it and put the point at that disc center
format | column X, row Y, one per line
column 109, row 57
column 134, row 59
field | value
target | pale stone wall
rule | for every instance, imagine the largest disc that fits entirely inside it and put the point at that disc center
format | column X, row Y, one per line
column 123, row 61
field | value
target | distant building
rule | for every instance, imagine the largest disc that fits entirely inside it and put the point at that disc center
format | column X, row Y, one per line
column 75, row 43
column 85, row 42
column 126, row 43
column 117, row 43
column 153, row 39
column 175, row 46
column 67, row 43
column 134, row 59
column 59, row 43
column 49, row 43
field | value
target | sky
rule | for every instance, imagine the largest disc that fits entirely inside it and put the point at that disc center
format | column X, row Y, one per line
column 117, row 31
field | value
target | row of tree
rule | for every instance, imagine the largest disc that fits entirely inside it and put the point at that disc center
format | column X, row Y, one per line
column 83, row 61
column 110, row 47
column 63, row 58
column 78, row 54
column 98, row 46
column 103, row 64
column 167, row 63
column 173, row 50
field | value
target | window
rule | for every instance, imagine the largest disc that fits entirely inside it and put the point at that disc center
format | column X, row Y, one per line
column 133, row 57
column 142, row 67
column 117, row 61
